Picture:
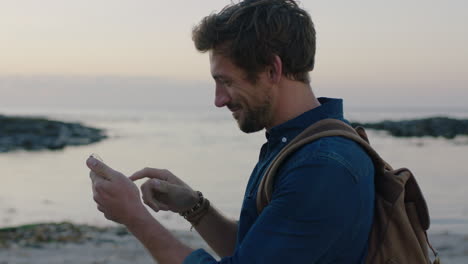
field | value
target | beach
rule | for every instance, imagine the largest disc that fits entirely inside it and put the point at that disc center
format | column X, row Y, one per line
column 55, row 185
column 185, row 86
column 93, row 245
column 83, row 244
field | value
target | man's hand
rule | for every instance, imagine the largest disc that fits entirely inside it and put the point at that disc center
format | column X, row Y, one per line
column 164, row 191
column 116, row 196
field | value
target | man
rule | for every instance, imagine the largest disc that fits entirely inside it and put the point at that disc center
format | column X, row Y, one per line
column 261, row 53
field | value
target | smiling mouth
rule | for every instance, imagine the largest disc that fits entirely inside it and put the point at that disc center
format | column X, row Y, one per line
column 234, row 109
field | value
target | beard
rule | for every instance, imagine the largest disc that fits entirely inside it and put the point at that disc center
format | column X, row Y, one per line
column 254, row 118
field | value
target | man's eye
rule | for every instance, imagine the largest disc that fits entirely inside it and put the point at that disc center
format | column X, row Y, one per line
column 223, row 82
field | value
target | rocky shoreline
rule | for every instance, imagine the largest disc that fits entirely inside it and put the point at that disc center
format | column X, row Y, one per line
column 444, row 127
column 83, row 244
column 29, row 133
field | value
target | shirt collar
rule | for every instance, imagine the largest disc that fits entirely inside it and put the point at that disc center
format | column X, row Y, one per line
column 329, row 108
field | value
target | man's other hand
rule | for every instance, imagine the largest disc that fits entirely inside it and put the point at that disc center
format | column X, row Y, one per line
column 164, row 191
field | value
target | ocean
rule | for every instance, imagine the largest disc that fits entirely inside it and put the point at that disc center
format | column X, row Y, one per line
column 206, row 149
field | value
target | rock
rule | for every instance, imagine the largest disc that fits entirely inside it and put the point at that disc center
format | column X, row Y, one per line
column 433, row 127
column 38, row 134
column 36, row 234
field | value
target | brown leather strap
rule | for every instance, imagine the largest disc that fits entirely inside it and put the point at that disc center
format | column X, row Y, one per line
column 321, row 129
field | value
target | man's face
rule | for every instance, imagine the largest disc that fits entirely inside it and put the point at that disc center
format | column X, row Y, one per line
column 250, row 104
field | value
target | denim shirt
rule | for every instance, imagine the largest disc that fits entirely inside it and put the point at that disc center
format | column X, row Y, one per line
column 322, row 202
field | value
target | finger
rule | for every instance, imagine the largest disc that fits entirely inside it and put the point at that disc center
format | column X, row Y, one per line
column 95, row 178
column 147, row 196
column 151, row 203
column 151, row 173
column 163, row 207
column 150, row 193
column 93, row 187
column 156, row 193
column 159, row 186
column 97, row 199
column 101, row 188
column 100, row 168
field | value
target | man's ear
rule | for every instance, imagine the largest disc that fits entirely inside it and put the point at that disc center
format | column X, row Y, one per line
column 275, row 70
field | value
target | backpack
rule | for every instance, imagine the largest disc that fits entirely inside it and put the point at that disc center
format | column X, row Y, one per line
column 401, row 217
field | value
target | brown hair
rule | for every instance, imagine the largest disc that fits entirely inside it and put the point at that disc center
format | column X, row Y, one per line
column 252, row 32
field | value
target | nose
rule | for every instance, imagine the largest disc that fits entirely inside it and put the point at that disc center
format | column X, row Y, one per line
column 222, row 97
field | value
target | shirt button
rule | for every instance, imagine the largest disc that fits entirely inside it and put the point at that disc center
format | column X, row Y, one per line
column 284, row 140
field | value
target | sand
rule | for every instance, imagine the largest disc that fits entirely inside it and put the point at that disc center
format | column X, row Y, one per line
column 115, row 245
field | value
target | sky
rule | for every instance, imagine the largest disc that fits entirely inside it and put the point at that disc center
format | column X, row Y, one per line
column 369, row 52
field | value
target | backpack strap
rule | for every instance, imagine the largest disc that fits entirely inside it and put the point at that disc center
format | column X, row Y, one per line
column 320, row 129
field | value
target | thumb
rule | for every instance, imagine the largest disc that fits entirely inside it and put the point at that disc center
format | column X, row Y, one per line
column 100, row 168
